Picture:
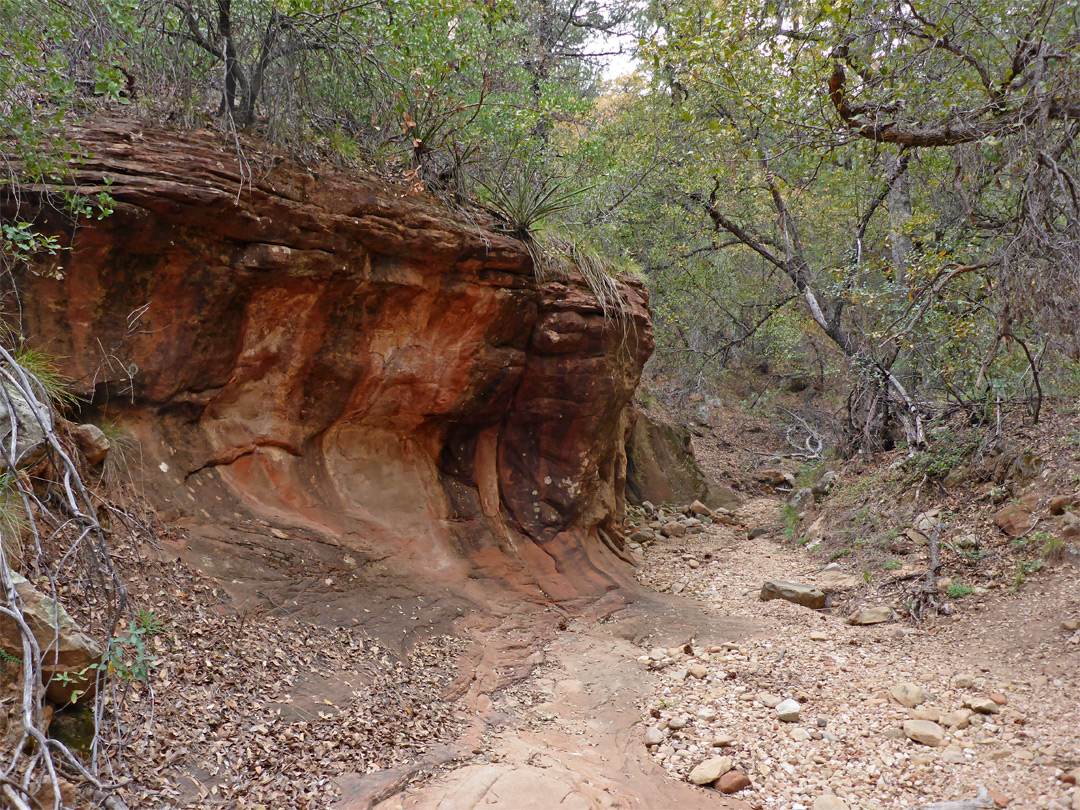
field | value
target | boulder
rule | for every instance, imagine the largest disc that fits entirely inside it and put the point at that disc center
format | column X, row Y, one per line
column 32, row 428
column 673, row 529
column 1014, row 520
column 838, row 580
column 700, row 509
column 982, row 705
column 960, row 719
column 824, row 484
column 871, row 615
column 759, row 531
column 65, row 649
column 1059, row 503
column 722, row 497
column 375, row 366
column 660, row 467
column 776, row 478
column 926, row 522
column 93, row 443
column 1070, row 528
column 805, row 595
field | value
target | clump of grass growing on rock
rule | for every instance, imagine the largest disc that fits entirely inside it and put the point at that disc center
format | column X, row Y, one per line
column 42, row 367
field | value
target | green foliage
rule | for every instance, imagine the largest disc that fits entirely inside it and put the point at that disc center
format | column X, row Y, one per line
column 527, row 201
column 789, row 515
column 8, row 658
column 943, row 453
column 892, row 565
column 126, row 655
column 1052, row 548
column 958, row 590
column 149, row 622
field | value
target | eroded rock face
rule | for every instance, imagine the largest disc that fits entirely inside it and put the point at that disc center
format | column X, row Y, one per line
column 330, row 372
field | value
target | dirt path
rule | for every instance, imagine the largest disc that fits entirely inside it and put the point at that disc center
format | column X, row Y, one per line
column 850, row 741
column 572, row 735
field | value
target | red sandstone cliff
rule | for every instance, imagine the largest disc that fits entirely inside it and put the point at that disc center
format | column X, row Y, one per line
column 334, row 379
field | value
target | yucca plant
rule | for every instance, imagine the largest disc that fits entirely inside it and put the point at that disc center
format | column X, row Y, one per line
column 525, row 202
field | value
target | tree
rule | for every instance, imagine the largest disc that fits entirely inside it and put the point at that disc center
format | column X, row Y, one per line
column 908, row 170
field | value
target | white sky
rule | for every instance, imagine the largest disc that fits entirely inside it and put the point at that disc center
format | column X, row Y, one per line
column 616, row 66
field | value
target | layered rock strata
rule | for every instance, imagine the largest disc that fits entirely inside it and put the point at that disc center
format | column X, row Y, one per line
column 326, row 375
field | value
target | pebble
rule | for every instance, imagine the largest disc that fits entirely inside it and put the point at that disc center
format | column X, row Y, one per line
column 982, row 705
column 677, row 722
column 788, row 711
column 871, row 615
column 959, row 719
column 953, row 754
column 908, row 694
column 846, row 674
column 924, row 731
column 933, row 715
column 653, row 736
column 699, row 671
column 733, row 782
column 710, row 770
column 829, row 802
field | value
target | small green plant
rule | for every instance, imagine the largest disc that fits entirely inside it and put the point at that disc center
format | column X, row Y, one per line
column 867, row 575
column 524, row 201
column 121, row 446
column 836, row 555
column 1032, row 566
column 149, row 622
column 1053, row 548
column 790, row 517
column 892, row 565
column 958, row 590
column 8, row 658
column 125, row 656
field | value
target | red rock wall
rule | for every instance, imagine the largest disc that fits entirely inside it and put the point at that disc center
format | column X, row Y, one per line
column 326, row 370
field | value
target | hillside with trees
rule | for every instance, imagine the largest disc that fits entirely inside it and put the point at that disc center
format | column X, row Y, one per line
column 337, row 338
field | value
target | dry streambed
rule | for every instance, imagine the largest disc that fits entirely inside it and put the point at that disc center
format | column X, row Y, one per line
column 817, row 713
